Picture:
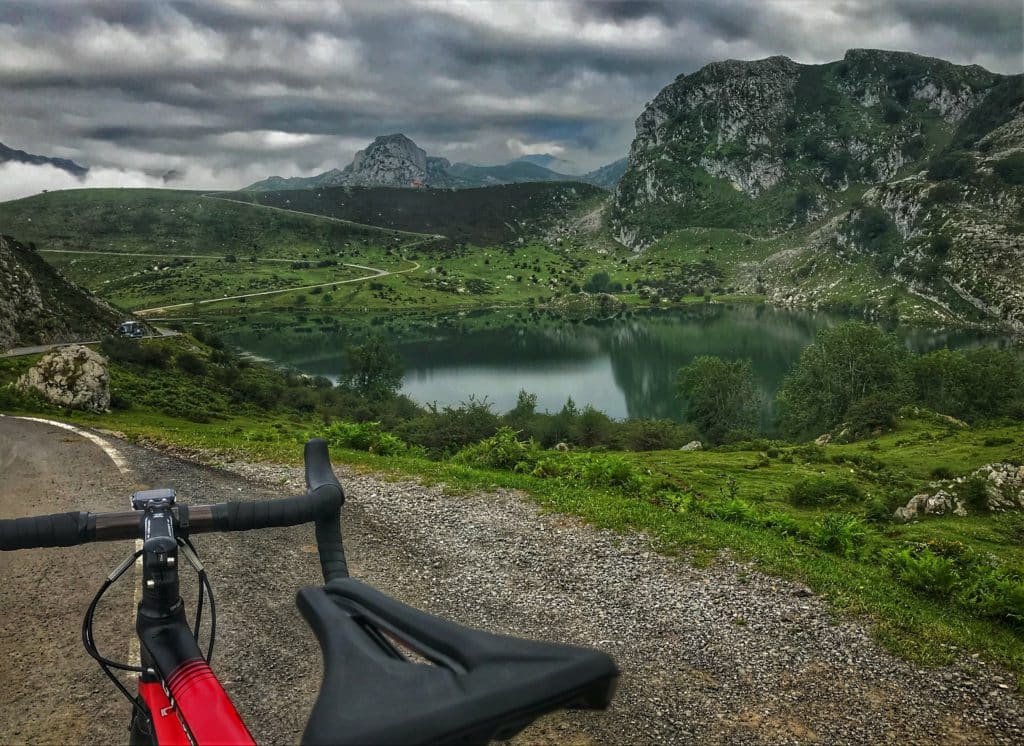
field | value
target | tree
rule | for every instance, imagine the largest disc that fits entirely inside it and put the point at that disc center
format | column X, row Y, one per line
column 846, row 364
column 721, row 395
column 374, row 369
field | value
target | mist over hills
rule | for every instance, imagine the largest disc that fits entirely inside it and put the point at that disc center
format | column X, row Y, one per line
column 20, row 156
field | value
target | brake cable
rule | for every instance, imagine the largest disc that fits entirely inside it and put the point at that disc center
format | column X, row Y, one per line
column 106, row 664
column 90, row 644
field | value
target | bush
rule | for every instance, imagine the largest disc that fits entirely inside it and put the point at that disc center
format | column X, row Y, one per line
column 656, row 435
column 503, row 450
column 943, row 193
column 191, row 364
column 721, row 395
column 849, row 364
column 925, row 571
column 821, row 490
column 975, row 493
column 446, row 431
column 363, row 436
column 133, row 352
column 839, row 533
column 872, row 413
column 939, row 245
column 954, row 164
column 1011, row 168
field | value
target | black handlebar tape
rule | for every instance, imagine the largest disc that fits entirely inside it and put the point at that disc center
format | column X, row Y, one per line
column 321, row 482
column 56, row 530
column 321, row 504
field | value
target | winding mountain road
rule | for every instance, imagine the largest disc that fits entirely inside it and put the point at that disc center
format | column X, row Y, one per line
column 719, row 654
column 279, row 291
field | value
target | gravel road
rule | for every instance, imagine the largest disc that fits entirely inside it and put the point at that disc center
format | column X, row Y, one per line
column 720, row 654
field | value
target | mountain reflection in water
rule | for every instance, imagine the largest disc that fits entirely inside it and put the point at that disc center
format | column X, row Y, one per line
column 625, row 367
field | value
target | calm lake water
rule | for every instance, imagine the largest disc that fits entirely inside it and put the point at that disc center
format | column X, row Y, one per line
column 625, row 367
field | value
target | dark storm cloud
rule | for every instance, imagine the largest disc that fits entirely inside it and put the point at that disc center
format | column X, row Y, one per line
column 224, row 92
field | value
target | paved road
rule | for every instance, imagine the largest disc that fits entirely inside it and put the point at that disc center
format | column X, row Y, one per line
column 35, row 350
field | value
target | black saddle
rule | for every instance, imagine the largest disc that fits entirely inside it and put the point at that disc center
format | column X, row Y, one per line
column 480, row 687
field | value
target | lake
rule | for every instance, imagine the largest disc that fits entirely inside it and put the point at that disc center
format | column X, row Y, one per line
column 625, row 366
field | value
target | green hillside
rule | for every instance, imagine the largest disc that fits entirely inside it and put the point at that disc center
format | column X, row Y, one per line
column 482, row 217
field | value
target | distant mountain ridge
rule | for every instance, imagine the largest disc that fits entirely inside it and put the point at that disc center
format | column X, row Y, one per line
column 20, row 156
column 396, row 161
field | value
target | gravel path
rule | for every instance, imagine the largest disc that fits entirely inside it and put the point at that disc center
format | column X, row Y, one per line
column 720, row 654
column 716, row 654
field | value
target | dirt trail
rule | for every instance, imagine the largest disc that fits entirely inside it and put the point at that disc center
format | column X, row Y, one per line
column 719, row 654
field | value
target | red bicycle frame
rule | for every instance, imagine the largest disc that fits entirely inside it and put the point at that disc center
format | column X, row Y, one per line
column 186, row 703
column 200, row 704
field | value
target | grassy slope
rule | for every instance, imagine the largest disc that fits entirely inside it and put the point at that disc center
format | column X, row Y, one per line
column 916, row 626
column 175, row 224
column 483, row 217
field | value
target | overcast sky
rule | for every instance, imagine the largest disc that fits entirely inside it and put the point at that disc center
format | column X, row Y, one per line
column 219, row 93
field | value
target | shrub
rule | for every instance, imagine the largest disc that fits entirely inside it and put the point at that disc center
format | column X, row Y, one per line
column 190, row 363
column 363, row 436
column 124, row 350
column 954, row 164
column 925, row 571
column 941, row 472
column 721, row 395
column 939, row 245
column 656, row 435
column 821, row 490
column 873, row 412
column 943, row 193
column 847, row 363
column 1011, row 168
column 877, row 511
column 503, row 450
column 975, row 493
column 840, row 533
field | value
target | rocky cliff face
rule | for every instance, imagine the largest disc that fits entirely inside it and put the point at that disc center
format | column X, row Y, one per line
column 902, row 161
column 39, row 306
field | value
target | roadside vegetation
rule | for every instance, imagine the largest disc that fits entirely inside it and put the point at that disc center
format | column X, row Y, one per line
column 819, row 512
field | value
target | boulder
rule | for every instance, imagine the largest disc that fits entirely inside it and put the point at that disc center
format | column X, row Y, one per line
column 1004, row 490
column 693, row 445
column 824, row 439
column 72, row 376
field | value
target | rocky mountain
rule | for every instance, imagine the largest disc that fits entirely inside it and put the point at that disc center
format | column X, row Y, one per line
column 397, row 161
column 20, row 156
column 39, row 306
column 900, row 166
column 607, row 176
column 552, row 162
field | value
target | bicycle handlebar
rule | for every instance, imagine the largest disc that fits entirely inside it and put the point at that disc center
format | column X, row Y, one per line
column 321, row 505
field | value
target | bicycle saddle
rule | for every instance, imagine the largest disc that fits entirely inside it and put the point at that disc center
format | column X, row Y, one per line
column 481, row 686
